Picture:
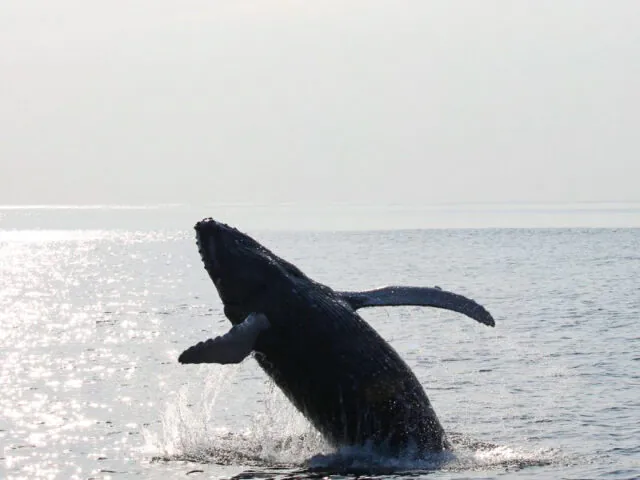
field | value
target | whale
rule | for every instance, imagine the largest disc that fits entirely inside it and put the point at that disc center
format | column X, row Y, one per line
column 332, row 365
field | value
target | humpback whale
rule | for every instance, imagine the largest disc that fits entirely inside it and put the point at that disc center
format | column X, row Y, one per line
column 332, row 365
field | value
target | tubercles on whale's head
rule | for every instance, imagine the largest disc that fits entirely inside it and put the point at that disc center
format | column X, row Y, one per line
column 241, row 269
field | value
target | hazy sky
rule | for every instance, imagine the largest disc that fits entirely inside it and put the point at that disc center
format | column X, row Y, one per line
column 359, row 102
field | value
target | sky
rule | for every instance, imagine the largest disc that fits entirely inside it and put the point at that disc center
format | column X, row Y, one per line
column 360, row 102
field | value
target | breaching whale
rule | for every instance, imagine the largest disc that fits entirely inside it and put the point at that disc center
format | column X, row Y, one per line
column 330, row 363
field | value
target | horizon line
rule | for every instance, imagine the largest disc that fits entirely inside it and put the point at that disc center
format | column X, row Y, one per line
column 163, row 205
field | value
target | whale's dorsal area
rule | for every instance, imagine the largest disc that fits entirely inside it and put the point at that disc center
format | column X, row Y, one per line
column 232, row 347
column 419, row 296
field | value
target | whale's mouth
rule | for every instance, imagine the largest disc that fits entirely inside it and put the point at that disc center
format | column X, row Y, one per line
column 240, row 268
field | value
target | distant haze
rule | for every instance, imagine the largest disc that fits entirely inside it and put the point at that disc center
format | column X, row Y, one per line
column 344, row 102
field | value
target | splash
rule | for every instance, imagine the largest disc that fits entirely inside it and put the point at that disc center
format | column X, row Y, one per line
column 276, row 435
column 278, row 440
column 471, row 454
column 467, row 455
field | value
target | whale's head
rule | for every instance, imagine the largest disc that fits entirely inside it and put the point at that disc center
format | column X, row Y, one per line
column 244, row 272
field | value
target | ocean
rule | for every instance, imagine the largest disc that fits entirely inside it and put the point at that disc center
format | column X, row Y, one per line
column 96, row 304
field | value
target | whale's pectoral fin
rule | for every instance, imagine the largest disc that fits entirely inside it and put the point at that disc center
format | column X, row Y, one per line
column 420, row 296
column 232, row 347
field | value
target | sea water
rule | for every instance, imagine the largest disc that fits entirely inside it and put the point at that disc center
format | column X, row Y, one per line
column 96, row 305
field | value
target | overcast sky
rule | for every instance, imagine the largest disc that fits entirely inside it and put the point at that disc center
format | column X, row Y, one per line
column 356, row 102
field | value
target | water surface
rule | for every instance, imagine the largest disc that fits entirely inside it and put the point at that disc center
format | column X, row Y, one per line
column 92, row 321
